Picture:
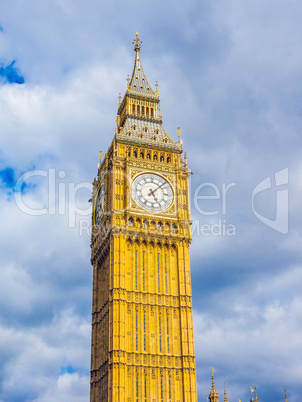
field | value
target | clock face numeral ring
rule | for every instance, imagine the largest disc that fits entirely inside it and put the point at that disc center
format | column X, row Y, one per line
column 100, row 205
column 152, row 192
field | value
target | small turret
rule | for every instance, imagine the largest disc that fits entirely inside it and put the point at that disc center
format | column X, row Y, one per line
column 252, row 398
column 256, row 396
column 213, row 395
column 225, row 395
column 285, row 394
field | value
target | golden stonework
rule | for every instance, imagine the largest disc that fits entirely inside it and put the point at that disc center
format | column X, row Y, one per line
column 142, row 344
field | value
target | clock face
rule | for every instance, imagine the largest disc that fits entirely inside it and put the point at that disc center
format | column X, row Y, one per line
column 152, row 192
column 100, row 205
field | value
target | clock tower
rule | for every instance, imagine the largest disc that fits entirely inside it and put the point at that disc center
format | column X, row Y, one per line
column 142, row 327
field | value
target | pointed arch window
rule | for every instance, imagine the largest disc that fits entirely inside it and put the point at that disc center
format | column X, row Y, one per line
column 136, row 331
column 168, row 339
column 136, row 388
column 135, row 269
column 161, row 388
column 144, row 332
column 166, row 276
column 158, row 273
column 143, row 271
column 159, row 331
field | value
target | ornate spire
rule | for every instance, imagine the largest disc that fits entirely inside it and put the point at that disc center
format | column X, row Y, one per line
column 225, row 395
column 213, row 396
column 139, row 84
column 139, row 115
column 256, row 396
column 285, row 394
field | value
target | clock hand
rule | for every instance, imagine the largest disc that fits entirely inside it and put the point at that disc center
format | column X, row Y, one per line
column 159, row 187
column 152, row 193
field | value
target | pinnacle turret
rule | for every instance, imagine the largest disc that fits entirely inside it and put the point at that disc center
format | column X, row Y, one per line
column 225, row 395
column 213, row 395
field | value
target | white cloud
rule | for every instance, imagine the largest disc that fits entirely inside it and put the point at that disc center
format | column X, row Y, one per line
column 229, row 75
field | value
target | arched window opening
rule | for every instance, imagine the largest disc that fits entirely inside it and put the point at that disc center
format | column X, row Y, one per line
column 159, row 331
column 174, row 228
column 135, row 271
column 143, row 271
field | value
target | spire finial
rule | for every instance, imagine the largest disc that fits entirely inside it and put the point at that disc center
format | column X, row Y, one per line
column 285, row 394
column 213, row 384
column 178, row 132
column 119, row 97
column 137, row 42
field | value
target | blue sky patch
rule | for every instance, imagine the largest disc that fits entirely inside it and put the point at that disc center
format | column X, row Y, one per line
column 11, row 74
column 67, row 369
column 7, row 177
column 13, row 184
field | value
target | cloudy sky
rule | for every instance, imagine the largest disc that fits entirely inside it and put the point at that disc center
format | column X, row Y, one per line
column 229, row 75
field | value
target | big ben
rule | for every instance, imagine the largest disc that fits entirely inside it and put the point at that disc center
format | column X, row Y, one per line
column 142, row 326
